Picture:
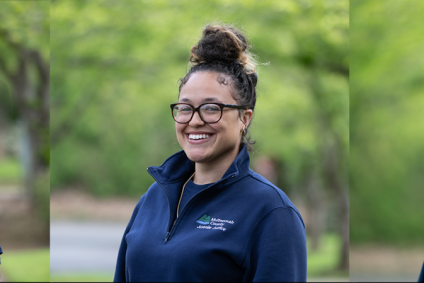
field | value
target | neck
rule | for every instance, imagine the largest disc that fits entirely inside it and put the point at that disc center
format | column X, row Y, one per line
column 212, row 172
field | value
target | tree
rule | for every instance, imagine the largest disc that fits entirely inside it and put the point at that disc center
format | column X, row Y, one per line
column 386, row 165
column 24, row 64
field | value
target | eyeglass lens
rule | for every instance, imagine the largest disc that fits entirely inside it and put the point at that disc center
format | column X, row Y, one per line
column 209, row 113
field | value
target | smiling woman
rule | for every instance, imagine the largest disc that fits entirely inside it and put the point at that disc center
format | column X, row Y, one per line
column 208, row 216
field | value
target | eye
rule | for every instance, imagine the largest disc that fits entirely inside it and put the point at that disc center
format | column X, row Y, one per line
column 184, row 108
column 211, row 108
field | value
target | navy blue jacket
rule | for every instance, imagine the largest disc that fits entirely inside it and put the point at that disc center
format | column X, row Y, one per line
column 241, row 228
column 421, row 277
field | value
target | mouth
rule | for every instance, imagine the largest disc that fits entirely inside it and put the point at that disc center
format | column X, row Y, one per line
column 198, row 138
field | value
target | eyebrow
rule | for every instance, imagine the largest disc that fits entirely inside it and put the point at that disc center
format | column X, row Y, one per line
column 209, row 99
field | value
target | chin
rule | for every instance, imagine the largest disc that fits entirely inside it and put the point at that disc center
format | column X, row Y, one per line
column 197, row 155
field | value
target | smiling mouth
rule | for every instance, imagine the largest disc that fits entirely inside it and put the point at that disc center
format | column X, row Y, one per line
column 198, row 137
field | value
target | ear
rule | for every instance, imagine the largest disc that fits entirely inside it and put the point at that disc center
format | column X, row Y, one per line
column 247, row 116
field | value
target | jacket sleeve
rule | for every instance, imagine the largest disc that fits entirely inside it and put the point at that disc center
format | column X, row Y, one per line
column 276, row 250
column 421, row 277
column 120, row 271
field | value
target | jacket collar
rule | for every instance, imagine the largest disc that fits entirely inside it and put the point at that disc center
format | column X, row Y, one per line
column 178, row 168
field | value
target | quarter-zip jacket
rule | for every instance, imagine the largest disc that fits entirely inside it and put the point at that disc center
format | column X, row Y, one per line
column 241, row 228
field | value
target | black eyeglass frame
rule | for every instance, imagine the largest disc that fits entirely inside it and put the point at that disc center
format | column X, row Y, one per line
column 221, row 105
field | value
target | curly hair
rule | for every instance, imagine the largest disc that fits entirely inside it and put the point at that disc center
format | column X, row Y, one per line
column 225, row 50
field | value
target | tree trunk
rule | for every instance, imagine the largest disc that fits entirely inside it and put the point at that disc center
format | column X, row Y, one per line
column 335, row 178
column 316, row 211
column 344, row 224
column 32, row 102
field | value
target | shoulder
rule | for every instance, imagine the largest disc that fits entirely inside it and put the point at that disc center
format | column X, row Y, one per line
column 265, row 194
column 263, row 189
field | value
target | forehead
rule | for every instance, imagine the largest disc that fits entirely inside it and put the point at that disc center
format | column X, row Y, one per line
column 206, row 87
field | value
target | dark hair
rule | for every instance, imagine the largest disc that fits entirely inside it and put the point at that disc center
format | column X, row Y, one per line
column 225, row 50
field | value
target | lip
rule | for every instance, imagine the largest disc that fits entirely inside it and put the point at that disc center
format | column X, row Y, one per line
column 201, row 140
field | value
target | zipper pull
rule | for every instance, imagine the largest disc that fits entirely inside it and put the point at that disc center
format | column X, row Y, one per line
column 167, row 237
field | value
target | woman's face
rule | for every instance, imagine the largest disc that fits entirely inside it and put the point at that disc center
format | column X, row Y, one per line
column 224, row 136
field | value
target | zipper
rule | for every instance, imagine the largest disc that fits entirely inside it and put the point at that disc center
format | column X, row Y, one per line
column 167, row 237
column 170, row 228
column 190, row 201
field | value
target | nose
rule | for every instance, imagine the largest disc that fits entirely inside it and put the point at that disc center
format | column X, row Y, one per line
column 196, row 120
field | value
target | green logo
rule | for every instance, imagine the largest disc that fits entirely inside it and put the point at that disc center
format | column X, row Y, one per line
column 204, row 220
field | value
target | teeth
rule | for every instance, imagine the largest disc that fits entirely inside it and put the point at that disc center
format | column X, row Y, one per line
column 197, row 137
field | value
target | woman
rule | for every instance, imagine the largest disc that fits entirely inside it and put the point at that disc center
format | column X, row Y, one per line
column 208, row 217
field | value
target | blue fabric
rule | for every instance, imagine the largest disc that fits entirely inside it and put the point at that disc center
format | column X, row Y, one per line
column 241, row 228
column 1, row 251
column 191, row 189
column 421, row 277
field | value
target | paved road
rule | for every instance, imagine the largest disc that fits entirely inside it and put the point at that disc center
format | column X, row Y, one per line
column 355, row 277
column 84, row 246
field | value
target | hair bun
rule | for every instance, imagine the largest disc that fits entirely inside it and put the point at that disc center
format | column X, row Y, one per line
column 225, row 44
column 254, row 78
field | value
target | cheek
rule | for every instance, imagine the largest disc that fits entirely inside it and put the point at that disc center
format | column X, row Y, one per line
column 230, row 131
column 179, row 128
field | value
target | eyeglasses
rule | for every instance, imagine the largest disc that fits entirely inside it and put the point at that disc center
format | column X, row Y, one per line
column 208, row 112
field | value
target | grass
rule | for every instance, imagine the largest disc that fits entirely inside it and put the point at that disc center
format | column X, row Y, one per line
column 323, row 262
column 10, row 171
column 82, row 277
column 26, row 265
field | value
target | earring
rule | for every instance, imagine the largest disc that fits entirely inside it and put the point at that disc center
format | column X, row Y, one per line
column 243, row 131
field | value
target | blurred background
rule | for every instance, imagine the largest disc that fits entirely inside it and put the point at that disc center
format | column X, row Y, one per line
column 115, row 67
column 386, row 134
column 24, row 140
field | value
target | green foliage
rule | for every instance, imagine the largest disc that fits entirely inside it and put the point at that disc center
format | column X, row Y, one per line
column 386, row 168
column 27, row 266
column 26, row 23
column 9, row 171
column 8, row 109
column 115, row 67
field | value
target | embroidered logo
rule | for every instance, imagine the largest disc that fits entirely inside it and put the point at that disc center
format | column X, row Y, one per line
column 214, row 223
column 204, row 220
